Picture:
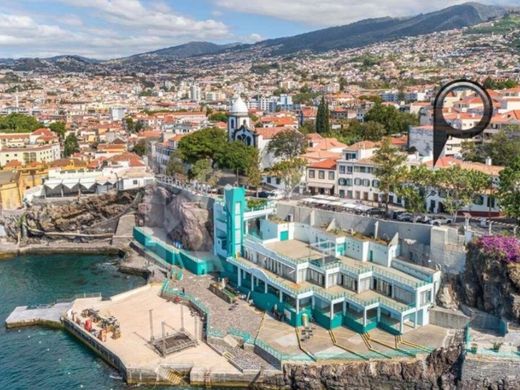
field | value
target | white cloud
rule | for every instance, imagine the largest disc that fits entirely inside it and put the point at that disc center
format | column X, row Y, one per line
column 103, row 29
column 338, row 12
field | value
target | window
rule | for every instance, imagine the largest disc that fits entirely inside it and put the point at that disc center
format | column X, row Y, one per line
column 375, row 183
column 366, row 183
column 269, row 179
column 321, row 175
column 331, row 175
column 362, row 169
column 135, row 182
column 357, row 182
column 349, row 169
column 348, row 182
column 341, row 169
column 311, row 173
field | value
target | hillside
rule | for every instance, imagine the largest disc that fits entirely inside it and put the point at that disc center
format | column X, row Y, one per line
column 370, row 31
column 353, row 35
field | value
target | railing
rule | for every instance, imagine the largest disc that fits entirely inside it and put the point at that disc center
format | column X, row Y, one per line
column 246, row 336
column 267, row 252
column 381, row 273
column 353, row 270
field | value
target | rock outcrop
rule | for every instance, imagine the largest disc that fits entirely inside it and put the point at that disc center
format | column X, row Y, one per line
column 491, row 284
column 439, row 370
column 92, row 215
column 181, row 219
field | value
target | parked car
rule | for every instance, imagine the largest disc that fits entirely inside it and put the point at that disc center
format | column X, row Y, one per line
column 422, row 219
column 264, row 194
column 405, row 217
column 276, row 195
column 376, row 211
column 440, row 220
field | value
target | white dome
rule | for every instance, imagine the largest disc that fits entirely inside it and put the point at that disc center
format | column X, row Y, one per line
column 239, row 107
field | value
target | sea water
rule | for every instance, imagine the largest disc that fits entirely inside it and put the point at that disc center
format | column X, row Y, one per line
column 39, row 358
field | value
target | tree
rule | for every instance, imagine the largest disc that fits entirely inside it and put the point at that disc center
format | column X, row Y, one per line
column 58, row 128
column 509, row 190
column 290, row 173
column 392, row 120
column 459, row 186
column 390, row 169
column 417, row 182
column 18, row 123
column 236, row 156
column 205, row 143
column 287, row 144
column 502, row 148
column 70, row 145
column 323, row 117
column 253, row 172
column 218, row 116
column 175, row 165
column 202, row 170
column 140, row 148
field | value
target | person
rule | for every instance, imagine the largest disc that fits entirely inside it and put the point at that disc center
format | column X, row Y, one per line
column 183, row 291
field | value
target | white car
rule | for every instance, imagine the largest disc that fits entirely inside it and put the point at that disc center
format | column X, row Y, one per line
column 440, row 220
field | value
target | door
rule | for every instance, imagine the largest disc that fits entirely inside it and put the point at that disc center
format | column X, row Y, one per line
column 284, row 235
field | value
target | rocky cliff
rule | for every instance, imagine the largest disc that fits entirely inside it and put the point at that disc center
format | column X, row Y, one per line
column 181, row 219
column 93, row 215
column 491, row 283
column 439, row 370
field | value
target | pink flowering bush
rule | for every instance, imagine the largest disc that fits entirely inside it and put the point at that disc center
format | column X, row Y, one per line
column 506, row 249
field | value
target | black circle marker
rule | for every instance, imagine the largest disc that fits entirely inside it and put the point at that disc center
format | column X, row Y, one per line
column 442, row 129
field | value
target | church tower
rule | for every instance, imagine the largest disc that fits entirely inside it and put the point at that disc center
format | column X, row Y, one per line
column 238, row 117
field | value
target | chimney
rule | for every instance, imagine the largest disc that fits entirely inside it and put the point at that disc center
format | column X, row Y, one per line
column 489, row 161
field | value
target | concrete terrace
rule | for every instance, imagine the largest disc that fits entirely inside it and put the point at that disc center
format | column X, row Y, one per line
column 131, row 309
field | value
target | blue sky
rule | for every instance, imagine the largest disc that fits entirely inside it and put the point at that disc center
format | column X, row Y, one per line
column 114, row 28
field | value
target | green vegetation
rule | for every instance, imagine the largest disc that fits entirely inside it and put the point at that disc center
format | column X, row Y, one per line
column 509, row 189
column 140, row 148
column 392, row 119
column 58, row 128
column 212, row 144
column 133, row 126
column 458, row 186
column 305, row 96
column 390, row 169
column 287, row 144
column 489, row 83
column 18, row 123
column 507, row 24
column 367, row 60
column 70, row 145
column 502, row 148
column 323, row 117
column 218, row 116
column 354, row 131
column 290, row 173
column 263, row 69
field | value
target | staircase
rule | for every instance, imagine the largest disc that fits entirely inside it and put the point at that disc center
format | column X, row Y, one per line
column 335, row 342
column 174, row 377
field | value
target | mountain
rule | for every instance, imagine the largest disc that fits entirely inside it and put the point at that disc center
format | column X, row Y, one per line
column 190, row 49
column 370, row 31
column 353, row 35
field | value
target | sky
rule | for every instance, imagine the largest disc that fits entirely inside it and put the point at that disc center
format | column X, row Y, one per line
column 116, row 28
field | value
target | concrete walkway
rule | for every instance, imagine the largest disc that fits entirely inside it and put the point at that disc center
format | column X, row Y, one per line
column 49, row 315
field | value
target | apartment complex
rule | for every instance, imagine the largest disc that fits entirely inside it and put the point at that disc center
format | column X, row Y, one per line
column 301, row 272
column 41, row 145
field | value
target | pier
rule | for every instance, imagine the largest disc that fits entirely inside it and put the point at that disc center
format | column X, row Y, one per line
column 47, row 315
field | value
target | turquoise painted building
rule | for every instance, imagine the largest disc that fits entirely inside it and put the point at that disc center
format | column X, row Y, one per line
column 301, row 272
column 198, row 264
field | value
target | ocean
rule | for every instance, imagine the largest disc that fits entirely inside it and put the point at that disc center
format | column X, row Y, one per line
column 39, row 358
